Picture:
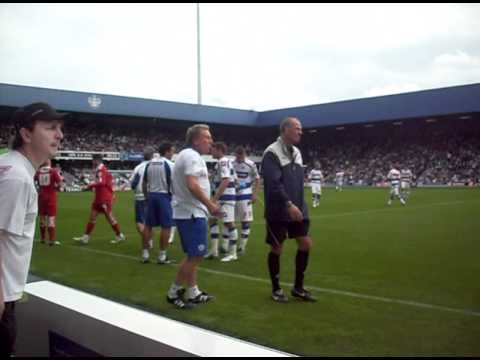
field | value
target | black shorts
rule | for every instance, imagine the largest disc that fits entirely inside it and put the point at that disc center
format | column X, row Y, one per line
column 278, row 231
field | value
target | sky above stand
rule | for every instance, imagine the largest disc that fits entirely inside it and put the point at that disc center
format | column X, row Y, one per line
column 253, row 56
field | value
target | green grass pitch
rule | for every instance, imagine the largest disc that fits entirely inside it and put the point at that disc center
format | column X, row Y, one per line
column 389, row 280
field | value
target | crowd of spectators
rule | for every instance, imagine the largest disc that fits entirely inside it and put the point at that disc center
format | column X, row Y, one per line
column 444, row 152
column 445, row 156
column 131, row 139
column 452, row 161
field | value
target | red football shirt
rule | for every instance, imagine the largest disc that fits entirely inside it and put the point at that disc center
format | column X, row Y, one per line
column 48, row 180
column 102, row 185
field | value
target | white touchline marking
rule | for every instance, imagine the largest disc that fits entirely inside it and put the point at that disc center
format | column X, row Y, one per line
column 368, row 211
column 319, row 289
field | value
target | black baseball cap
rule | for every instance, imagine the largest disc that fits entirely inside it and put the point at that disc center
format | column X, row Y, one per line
column 40, row 111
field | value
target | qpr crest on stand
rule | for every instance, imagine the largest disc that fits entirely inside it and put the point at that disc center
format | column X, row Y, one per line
column 94, row 101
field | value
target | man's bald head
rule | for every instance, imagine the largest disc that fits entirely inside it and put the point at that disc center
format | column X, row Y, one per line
column 291, row 130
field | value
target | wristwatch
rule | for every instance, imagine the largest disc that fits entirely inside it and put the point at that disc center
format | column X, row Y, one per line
column 289, row 204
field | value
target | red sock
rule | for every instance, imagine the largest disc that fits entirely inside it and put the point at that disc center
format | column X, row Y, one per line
column 116, row 228
column 51, row 233
column 42, row 232
column 90, row 227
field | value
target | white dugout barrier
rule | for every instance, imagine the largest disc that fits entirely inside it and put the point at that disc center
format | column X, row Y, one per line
column 56, row 320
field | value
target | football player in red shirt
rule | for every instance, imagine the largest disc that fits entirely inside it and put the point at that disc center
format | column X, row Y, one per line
column 102, row 203
column 48, row 181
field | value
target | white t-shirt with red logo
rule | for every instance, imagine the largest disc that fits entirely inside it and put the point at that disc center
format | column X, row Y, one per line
column 18, row 212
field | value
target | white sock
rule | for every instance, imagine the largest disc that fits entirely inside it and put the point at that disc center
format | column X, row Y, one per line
column 243, row 243
column 172, row 292
column 226, row 237
column 172, row 235
column 214, row 231
column 214, row 246
column 245, row 235
column 162, row 255
column 145, row 254
column 193, row 292
column 233, row 241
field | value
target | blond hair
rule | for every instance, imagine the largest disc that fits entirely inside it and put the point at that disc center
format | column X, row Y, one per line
column 193, row 132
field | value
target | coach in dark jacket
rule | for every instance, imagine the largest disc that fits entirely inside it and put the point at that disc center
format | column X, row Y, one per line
column 285, row 208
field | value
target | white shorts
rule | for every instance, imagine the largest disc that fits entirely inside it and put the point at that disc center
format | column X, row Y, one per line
column 405, row 185
column 316, row 188
column 244, row 211
column 395, row 190
column 228, row 211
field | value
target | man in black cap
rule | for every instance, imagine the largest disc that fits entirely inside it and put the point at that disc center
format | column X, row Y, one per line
column 38, row 133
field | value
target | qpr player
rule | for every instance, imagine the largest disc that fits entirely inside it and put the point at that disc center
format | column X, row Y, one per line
column 247, row 190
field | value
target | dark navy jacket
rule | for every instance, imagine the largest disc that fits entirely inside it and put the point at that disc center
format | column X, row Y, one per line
column 283, row 180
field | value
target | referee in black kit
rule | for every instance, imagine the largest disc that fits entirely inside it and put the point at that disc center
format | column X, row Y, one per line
column 285, row 209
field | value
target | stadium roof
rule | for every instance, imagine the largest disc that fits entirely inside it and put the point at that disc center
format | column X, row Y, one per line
column 463, row 99
column 74, row 101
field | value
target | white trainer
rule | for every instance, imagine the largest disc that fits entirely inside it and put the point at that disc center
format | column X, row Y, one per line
column 82, row 239
column 211, row 255
column 118, row 239
column 229, row 258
